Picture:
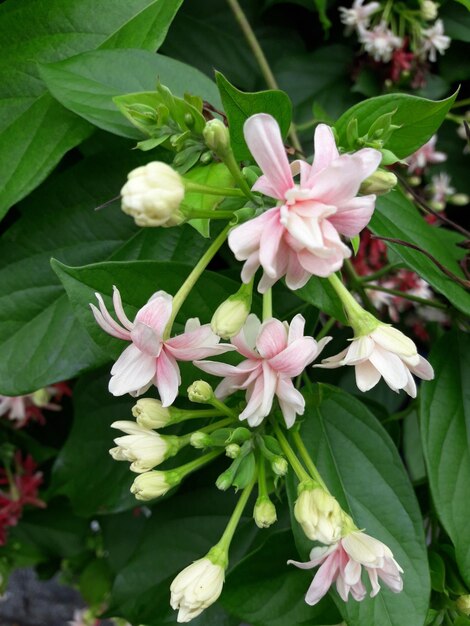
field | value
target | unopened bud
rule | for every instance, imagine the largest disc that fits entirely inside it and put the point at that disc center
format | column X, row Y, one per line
column 225, row 480
column 379, row 183
column 437, row 205
column 231, row 315
column 429, row 10
column 319, row 514
column 279, row 465
column 151, row 485
column 200, row 392
column 459, row 199
column 200, row 440
column 463, row 604
column 217, row 137
column 41, row 397
column 264, row 512
column 414, row 181
column 142, row 447
column 150, row 413
column 232, row 450
column 153, row 194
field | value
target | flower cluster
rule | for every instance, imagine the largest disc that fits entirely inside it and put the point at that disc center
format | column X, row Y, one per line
column 320, row 206
column 23, row 409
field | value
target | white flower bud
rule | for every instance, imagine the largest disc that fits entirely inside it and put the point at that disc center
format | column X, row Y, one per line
column 200, row 392
column 200, row 440
column 459, row 199
column 231, row 315
column 264, row 512
column 151, row 485
column 153, row 194
column 429, row 10
column 319, row 514
column 195, row 588
column 463, row 604
column 279, row 465
column 217, row 137
column 380, row 182
column 144, row 448
column 232, row 450
column 150, row 413
column 41, row 397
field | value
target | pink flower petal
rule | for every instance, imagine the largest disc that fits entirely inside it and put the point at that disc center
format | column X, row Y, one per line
column 391, row 367
column 112, row 328
column 244, row 239
column 167, row 379
column 296, row 328
column 325, row 151
column 367, row 376
column 132, row 370
column 121, row 314
column 272, row 338
column 296, row 276
column 423, row 370
column 224, row 369
column 197, row 344
column 291, row 401
column 354, row 215
column 323, row 579
column 156, row 313
column 294, row 359
column 245, row 341
column 269, row 245
column 263, row 137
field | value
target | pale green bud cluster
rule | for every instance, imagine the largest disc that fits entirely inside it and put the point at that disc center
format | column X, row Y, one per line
column 319, row 514
column 200, row 392
column 264, row 512
column 231, row 315
column 217, row 137
column 379, row 183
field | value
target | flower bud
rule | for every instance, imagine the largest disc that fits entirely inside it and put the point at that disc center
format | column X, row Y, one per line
column 152, row 485
column 319, row 514
column 150, row 413
column 217, row 137
column 41, row 397
column 414, row 181
column 279, row 465
column 153, row 194
column 429, row 10
column 380, row 182
column 230, row 316
column 459, row 199
column 264, row 512
column 232, row 450
column 196, row 587
column 200, row 392
column 200, row 440
column 463, row 604
column 225, row 480
column 144, row 448
column 437, row 205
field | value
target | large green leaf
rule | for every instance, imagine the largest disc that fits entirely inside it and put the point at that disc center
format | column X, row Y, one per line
column 137, row 281
column 240, row 106
column 395, row 216
column 35, row 131
column 264, row 591
column 418, row 119
column 87, row 83
column 84, row 471
column 456, row 20
column 445, row 424
column 363, row 469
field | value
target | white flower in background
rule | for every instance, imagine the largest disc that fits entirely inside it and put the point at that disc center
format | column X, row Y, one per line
column 195, row 588
column 441, row 189
column 359, row 14
column 424, row 156
column 385, row 352
column 153, row 194
column 379, row 42
column 319, row 514
column 434, row 40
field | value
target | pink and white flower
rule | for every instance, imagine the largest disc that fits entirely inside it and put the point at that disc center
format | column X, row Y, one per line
column 275, row 352
column 434, row 40
column 301, row 236
column 380, row 42
column 22, row 409
column 441, row 188
column 359, row 14
column 151, row 359
column 424, row 156
column 342, row 563
column 385, row 352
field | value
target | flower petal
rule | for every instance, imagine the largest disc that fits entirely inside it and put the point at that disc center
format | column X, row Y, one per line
column 272, row 338
column 167, row 379
column 197, row 344
column 354, row 215
column 156, row 313
column 367, row 376
column 291, row 401
column 294, row 359
column 325, row 151
column 132, row 370
column 391, row 367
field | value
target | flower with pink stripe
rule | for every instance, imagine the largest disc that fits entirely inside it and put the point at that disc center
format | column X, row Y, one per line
column 151, row 359
column 301, row 236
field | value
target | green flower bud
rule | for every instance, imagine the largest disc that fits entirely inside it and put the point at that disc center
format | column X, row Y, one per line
column 429, row 10
column 414, row 181
column 217, row 137
column 151, row 485
column 200, row 392
column 459, row 199
column 41, row 397
column 232, row 450
column 225, row 480
column 150, row 413
column 264, row 512
column 200, row 440
column 379, row 183
column 279, row 465
column 463, row 604
column 231, row 315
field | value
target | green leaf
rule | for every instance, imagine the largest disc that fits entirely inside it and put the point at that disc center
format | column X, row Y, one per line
column 264, row 591
column 418, row 119
column 214, row 175
column 363, row 470
column 95, row 582
column 412, row 448
column 87, row 83
column 240, row 106
column 137, row 281
column 395, row 216
column 456, row 20
column 445, row 423
column 84, row 471
column 35, row 131
column 320, row 293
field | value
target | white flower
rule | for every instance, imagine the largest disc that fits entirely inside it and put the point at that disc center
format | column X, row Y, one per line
column 383, row 352
column 441, row 188
column 380, row 42
column 434, row 40
column 359, row 14
column 425, row 155
column 319, row 514
column 195, row 588
column 151, row 485
column 153, row 194
column 144, row 448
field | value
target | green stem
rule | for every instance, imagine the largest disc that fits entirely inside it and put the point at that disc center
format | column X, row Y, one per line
column 260, row 59
column 262, row 484
column 461, row 103
column 223, row 408
column 326, row 328
column 192, row 415
column 225, row 540
column 193, row 277
column 360, row 320
column 357, row 285
column 191, row 187
column 290, row 454
column 229, row 160
column 307, row 459
column 185, row 439
column 378, row 274
column 267, row 305
column 211, row 215
column 192, row 466
column 407, row 296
